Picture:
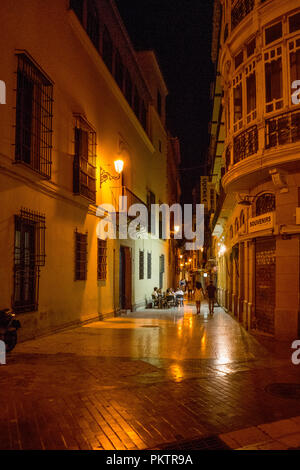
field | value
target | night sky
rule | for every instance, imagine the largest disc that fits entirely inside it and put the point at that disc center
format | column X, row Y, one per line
column 179, row 31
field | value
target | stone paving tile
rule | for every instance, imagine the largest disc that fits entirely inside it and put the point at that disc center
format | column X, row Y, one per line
column 93, row 397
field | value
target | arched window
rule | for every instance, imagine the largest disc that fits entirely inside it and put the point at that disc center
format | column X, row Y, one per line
column 242, row 218
column 265, row 203
column 236, row 225
column 92, row 23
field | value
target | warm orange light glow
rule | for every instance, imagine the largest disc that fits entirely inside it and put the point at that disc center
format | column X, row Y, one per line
column 119, row 164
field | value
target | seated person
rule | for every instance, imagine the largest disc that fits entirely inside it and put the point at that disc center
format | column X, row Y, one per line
column 155, row 292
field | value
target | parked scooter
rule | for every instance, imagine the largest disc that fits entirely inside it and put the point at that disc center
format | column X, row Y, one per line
column 8, row 328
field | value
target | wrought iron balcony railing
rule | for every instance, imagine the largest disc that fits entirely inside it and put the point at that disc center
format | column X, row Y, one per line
column 239, row 11
column 283, row 129
column 245, row 144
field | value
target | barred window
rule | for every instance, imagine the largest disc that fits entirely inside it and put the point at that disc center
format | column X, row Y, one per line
column 81, row 245
column 84, row 165
column 29, row 256
column 141, row 265
column 92, row 23
column 149, row 265
column 33, row 117
column 102, row 260
column 265, row 203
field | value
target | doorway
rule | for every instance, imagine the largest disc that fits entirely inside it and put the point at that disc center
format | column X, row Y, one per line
column 125, row 278
column 265, row 283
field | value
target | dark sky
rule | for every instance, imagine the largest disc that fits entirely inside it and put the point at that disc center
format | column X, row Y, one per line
column 179, row 31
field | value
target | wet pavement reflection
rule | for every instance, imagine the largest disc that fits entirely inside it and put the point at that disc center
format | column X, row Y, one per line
column 139, row 380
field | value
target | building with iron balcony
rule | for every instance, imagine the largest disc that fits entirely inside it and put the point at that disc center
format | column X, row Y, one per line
column 259, row 65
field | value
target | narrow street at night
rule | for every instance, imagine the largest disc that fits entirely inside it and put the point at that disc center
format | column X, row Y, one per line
column 154, row 379
column 149, row 229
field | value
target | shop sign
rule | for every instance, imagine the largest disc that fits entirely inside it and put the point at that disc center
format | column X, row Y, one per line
column 262, row 222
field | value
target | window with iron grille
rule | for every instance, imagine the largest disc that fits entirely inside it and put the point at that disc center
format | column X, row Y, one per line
column 141, row 264
column 245, row 144
column 239, row 11
column 77, row 7
column 84, row 165
column 33, row 117
column 283, row 129
column 81, row 245
column 265, row 203
column 102, row 260
column 29, row 256
column 149, row 265
column 92, row 23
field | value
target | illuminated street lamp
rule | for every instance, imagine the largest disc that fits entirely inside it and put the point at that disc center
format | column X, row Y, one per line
column 106, row 176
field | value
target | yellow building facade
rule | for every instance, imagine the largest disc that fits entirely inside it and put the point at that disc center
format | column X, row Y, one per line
column 256, row 227
column 78, row 98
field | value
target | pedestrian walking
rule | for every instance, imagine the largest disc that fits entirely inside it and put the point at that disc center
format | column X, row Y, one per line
column 199, row 296
column 211, row 293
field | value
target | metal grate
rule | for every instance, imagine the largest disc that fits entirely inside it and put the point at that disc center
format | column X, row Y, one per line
column 149, row 265
column 283, row 129
column 265, row 203
column 81, row 246
column 29, row 256
column 245, row 144
column 141, row 264
column 33, row 117
column 240, row 10
column 102, row 260
column 84, row 165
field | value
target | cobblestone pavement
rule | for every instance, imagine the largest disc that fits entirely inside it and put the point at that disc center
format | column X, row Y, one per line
column 144, row 380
